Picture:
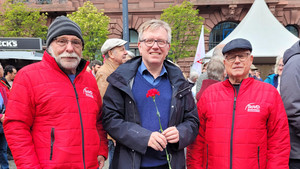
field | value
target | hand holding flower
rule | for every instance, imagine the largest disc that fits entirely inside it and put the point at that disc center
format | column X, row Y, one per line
column 171, row 134
column 157, row 141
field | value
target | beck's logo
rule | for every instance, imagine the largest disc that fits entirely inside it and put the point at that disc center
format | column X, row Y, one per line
column 251, row 107
column 88, row 92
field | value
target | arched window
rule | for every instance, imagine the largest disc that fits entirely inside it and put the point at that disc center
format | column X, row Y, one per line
column 133, row 40
column 133, row 36
column 220, row 32
column 293, row 29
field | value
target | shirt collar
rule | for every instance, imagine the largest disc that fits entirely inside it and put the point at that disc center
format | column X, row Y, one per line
column 143, row 70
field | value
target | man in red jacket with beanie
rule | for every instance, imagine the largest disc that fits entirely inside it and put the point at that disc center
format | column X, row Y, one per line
column 53, row 117
column 243, row 124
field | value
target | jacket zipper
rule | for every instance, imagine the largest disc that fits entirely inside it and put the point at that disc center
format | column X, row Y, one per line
column 52, row 142
column 207, row 156
column 82, row 131
column 232, row 127
column 258, row 158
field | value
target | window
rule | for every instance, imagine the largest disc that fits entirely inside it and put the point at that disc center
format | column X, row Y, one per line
column 293, row 29
column 133, row 36
column 220, row 32
column 133, row 40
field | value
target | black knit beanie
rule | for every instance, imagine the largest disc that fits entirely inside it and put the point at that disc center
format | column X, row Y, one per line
column 63, row 26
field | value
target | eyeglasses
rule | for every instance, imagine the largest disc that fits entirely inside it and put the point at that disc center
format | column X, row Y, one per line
column 281, row 65
column 63, row 42
column 150, row 42
column 232, row 57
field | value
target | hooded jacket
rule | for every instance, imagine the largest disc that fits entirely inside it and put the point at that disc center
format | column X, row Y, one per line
column 121, row 118
column 51, row 122
column 290, row 93
column 248, row 130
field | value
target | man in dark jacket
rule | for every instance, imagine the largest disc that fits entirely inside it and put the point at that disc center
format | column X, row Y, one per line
column 130, row 117
column 290, row 93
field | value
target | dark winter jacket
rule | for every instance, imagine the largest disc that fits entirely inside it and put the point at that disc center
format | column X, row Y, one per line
column 290, row 93
column 122, row 120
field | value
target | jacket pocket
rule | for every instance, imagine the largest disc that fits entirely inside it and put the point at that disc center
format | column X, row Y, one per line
column 52, row 143
column 258, row 157
column 206, row 156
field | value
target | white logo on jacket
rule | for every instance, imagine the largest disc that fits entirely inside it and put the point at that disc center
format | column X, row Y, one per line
column 88, row 92
column 251, row 107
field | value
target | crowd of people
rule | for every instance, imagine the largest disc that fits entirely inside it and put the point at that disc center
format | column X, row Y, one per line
column 66, row 112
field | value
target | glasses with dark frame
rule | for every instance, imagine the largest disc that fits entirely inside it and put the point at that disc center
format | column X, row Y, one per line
column 150, row 42
column 232, row 57
column 63, row 42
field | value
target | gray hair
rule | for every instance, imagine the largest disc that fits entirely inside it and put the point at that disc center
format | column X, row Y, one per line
column 130, row 54
column 218, row 51
column 278, row 58
column 215, row 69
column 193, row 75
column 154, row 24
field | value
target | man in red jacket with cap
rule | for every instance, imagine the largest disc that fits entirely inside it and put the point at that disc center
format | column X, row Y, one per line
column 243, row 124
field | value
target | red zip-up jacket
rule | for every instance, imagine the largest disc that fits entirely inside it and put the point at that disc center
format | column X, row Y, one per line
column 51, row 122
column 248, row 130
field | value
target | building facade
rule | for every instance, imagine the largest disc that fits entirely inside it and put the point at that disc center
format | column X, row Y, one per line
column 221, row 16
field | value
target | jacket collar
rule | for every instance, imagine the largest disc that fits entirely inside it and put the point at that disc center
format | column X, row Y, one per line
column 131, row 67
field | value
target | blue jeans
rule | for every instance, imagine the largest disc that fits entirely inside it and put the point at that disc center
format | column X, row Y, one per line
column 111, row 150
column 3, row 152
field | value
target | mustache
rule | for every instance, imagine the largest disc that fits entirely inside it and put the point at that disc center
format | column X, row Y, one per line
column 65, row 54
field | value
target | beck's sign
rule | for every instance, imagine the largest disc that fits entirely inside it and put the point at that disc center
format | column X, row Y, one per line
column 20, row 44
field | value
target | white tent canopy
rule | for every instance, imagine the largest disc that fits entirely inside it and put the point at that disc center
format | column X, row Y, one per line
column 269, row 38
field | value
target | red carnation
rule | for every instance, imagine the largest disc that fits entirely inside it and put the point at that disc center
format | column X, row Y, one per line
column 152, row 93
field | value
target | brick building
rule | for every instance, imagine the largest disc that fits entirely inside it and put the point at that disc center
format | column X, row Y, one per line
column 221, row 16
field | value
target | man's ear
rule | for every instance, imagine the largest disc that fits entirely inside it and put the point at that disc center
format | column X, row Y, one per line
column 110, row 54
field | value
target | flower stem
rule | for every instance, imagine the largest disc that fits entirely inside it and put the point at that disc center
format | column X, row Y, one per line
column 161, row 130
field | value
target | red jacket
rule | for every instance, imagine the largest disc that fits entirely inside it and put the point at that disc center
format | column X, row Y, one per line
column 53, row 123
column 249, row 133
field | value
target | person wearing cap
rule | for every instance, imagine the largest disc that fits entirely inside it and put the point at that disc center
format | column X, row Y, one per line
column 115, row 54
column 53, row 116
column 243, row 123
column 131, row 118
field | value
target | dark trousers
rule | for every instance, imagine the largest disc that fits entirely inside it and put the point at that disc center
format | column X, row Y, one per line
column 159, row 167
column 3, row 152
column 294, row 163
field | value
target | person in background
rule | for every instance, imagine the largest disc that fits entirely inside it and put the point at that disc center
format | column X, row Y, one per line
column 53, row 117
column 129, row 55
column 217, row 53
column 131, row 118
column 290, row 93
column 274, row 79
column 215, row 73
column 243, row 124
column 115, row 54
column 95, row 66
column 10, row 73
column 192, row 80
column 3, row 144
column 257, row 74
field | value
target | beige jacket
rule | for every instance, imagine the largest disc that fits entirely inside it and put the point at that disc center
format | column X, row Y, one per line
column 105, row 70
